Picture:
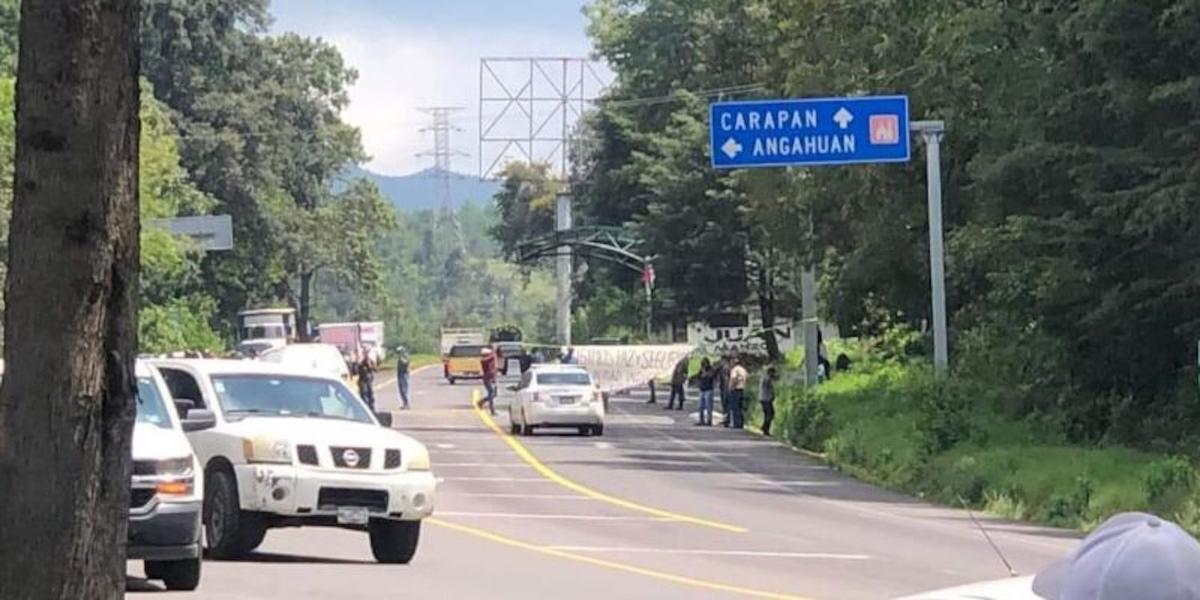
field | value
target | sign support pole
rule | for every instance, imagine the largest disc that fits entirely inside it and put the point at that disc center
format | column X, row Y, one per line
column 562, row 222
column 932, row 132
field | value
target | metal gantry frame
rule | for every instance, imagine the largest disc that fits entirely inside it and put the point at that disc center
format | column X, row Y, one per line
column 537, row 109
column 611, row 244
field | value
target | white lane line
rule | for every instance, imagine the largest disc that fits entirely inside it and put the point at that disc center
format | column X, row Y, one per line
column 802, row 483
column 519, row 496
column 513, row 479
column 750, row 553
column 539, row 516
column 442, row 465
column 444, row 446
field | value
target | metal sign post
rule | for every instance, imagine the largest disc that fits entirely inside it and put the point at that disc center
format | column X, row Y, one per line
column 932, row 132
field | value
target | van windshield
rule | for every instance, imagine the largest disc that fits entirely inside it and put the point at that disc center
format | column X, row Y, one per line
column 150, row 407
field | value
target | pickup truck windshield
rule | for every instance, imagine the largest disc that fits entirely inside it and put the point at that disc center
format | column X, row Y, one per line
column 273, row 395
column 150, row 407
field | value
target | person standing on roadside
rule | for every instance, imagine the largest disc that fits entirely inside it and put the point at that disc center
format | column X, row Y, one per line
column 489, row 380
column 365, row 369
column 707, row 380
column 402, row 364
column 568, row 357
column 766, row 397
column 678, row 381
column 723, row 386
column 737, row 393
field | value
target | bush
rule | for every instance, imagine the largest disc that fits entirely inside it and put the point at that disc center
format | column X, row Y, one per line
column 803, row 418
column 944, row 414
column 1169, row 482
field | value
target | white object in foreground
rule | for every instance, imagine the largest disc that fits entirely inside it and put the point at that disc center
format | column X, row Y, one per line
column 298, row 448
column 1012, row 588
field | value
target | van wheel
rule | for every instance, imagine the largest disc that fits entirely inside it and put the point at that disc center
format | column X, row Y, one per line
column 513, row 428
column 177, row 575
column 229, row 531
column 394, row 542
column 597, row 430
column 453, row 381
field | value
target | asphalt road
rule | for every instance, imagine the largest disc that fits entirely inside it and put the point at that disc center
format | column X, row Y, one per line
column 657, row 508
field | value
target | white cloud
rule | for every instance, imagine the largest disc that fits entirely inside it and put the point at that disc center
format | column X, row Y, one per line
column 403, row 68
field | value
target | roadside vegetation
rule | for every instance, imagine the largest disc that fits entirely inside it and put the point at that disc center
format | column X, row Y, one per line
column 958, row 442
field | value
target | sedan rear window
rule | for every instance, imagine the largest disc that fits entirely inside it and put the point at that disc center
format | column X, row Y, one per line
column 564, row 378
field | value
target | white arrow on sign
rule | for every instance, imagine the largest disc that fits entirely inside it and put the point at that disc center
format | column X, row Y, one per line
column 843, row 117
column 731, row 148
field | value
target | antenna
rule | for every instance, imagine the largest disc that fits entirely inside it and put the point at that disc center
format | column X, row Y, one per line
column 1011, row 572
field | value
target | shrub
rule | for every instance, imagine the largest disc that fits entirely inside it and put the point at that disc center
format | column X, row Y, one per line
column 805, row 419
column 1168, row 482
column 944, row 417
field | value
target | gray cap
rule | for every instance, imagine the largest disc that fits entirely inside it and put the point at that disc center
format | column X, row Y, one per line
column 1131, row 556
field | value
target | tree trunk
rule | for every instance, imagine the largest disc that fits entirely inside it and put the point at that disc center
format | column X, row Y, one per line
column 766, row 309
column 305, row 309
column 67, row 400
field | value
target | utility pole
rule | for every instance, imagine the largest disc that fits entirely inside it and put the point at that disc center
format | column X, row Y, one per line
column 442, row 154
column 932, row 132
column 562, row 222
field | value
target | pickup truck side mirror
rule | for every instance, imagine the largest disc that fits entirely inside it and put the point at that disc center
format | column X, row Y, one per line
column 183, row 406
column 199, row 419
column 385, row 418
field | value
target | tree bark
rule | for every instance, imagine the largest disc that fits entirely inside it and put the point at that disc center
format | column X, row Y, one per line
column 67, row 399
column 766, row 309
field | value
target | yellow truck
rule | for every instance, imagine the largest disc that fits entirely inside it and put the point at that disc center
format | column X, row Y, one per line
column 464, row 361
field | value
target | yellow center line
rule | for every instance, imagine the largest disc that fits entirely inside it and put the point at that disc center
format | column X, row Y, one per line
column 553, row 475
column 608, row 564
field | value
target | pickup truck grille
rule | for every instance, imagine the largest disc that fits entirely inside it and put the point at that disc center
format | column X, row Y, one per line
column 139, row 497
column 361, row 456
column 330, row 498
column 307, row 454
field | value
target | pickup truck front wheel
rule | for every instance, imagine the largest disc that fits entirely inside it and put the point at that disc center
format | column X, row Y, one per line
column 176, row 575
column 394, row 542
column 230, row 531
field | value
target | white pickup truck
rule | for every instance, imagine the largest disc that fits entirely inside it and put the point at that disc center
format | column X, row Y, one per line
column 165, row 499
column 298, row 448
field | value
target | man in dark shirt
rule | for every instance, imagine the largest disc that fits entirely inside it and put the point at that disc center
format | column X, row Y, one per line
column 402, row 363
column 678, row 380
column 365, row 369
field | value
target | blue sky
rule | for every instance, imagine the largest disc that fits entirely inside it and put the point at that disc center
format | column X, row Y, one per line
column 413, row 53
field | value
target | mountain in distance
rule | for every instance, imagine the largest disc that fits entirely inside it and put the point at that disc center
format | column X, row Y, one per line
column 420, row 191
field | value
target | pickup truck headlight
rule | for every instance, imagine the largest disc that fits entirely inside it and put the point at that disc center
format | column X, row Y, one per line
column 418, row 459
column 174, row 477
column 263, row 450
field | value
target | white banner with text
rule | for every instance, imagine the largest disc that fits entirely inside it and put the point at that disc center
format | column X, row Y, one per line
column 617, row 368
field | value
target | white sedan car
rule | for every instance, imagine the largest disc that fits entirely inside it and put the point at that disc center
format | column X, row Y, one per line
column 298, row 448
column 556, row 396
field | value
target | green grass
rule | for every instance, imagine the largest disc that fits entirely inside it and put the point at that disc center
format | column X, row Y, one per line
column 893, row 425
column 415, row 361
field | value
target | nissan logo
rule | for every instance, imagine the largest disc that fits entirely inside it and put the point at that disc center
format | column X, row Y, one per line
column 350, row 457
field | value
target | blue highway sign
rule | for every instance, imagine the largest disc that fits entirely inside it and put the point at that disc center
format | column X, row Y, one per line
column 811, row 131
